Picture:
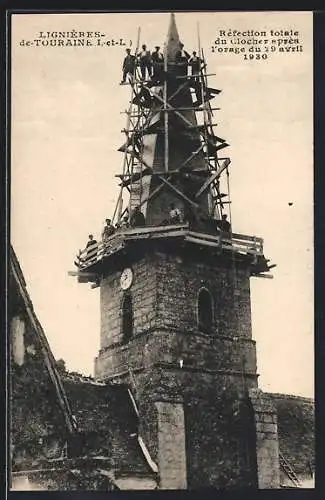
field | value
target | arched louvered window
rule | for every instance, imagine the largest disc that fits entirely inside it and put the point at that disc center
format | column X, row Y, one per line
column 205, row 310
column 127, row 318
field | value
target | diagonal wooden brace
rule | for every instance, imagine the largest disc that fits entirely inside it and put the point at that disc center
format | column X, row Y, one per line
column 183, row 86
column 206, row 184
column 213, row 177
column 179, row 193
column 191, row 157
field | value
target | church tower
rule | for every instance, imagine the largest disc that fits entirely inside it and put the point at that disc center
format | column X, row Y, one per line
column 175, row 288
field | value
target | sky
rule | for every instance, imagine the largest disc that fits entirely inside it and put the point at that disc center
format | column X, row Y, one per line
column 67, row 117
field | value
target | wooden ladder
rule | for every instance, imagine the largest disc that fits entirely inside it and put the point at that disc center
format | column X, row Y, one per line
column 288, row 470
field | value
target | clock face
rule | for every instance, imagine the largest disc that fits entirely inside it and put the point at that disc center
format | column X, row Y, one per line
column 126, row 278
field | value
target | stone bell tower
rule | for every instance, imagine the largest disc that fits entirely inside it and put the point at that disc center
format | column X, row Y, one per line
column 175, row 292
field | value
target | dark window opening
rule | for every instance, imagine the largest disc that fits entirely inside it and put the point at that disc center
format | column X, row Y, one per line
column 127, row 319
column 205, row 314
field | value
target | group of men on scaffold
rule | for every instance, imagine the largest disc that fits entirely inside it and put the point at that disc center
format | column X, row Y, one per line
column 137, row 219
column 151, row 64
column 90, row 253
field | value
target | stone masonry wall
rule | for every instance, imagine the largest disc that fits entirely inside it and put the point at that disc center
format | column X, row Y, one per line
column 218, row 439
column 215, row 370
column 198, row 352
column 165, row 294
column 267, row 445
column 171, row 446
column 143, row 293
column 179, row 281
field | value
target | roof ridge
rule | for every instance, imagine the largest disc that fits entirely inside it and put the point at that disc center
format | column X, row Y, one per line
column 291, row 396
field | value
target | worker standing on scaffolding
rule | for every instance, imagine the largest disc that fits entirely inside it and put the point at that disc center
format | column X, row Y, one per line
column 181, row 59
column 137, row 218
column 195, row 63
column 225, row 227
column 175, row 215
column 125, row 222
column 158, row 64
column 224, row 224
column 143, row 97
column 91, row 250
column 145, row 62
column 128, row 66
column 108, row 230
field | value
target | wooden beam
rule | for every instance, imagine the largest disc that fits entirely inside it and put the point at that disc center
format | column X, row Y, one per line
column 193, row 108
column 191, row 157
column 206, row 184
column 138, row 231
column 200, row 127
column 219, row 139
column 189, row 77
column 179, row 193
column 262, row 275
column 211, row 90
column 210, row 108
column 136, row 176
column 153, row 193
column 175, row 111
column 183, row 86
column 223, row 166
column 82, row 274
column 163, row 234
column 176, row 171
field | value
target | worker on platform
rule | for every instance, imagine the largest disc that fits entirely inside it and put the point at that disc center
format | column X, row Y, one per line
column 195, row 64
column 128, row 66
column 182, row 58
column 125, row 222
column 108, row 230
column 143, row 97
column 224, row 224
column 157, row 94
column 91, row 250
column 225, row 228
column 157, row 64
column 137, row 218
column 145, row 62
column 175, row 215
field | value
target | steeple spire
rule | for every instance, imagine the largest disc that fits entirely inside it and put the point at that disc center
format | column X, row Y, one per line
column 172, row 42
column 171, row 152
column 170, row 138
